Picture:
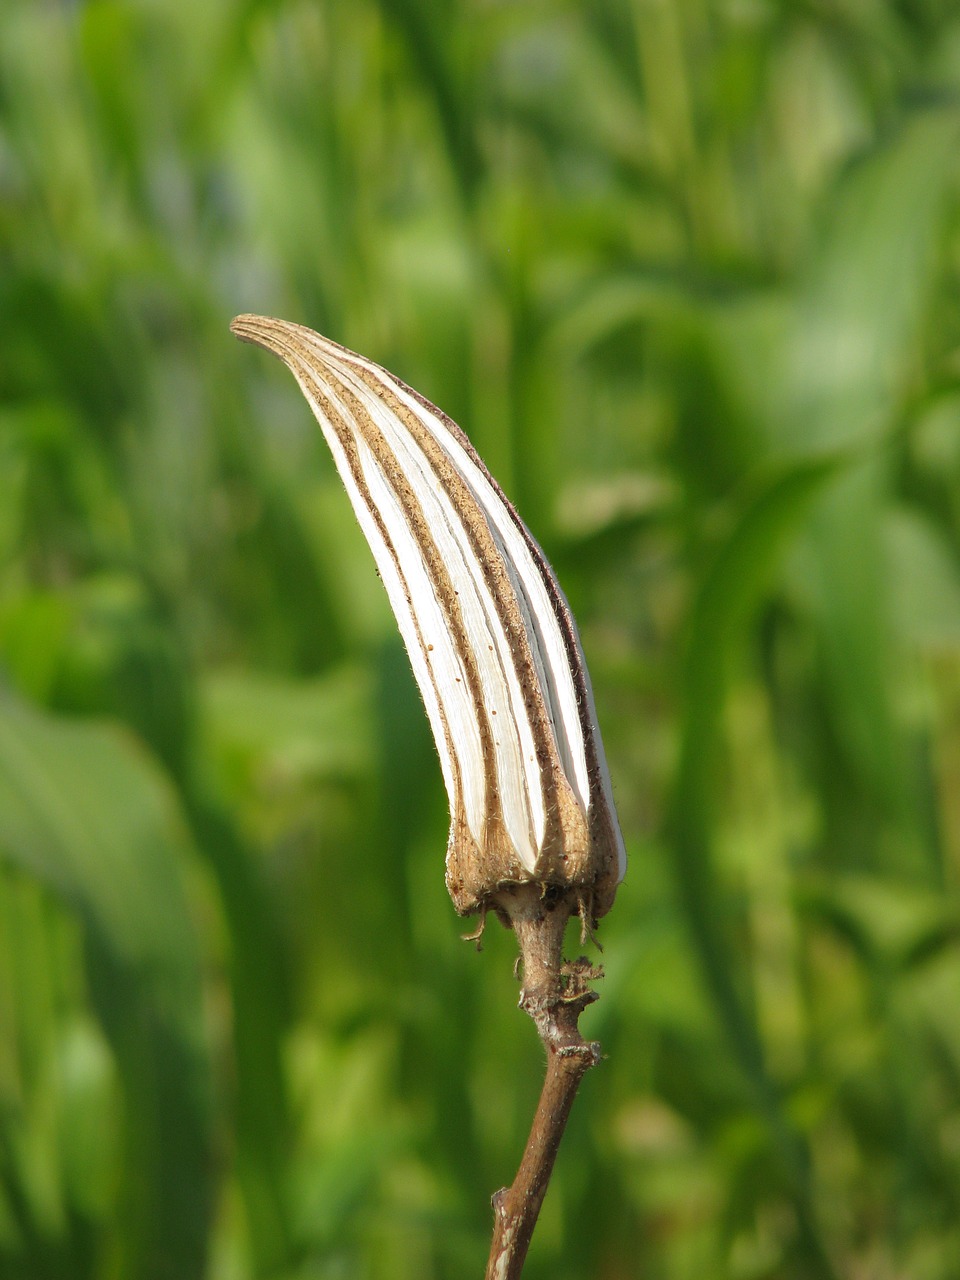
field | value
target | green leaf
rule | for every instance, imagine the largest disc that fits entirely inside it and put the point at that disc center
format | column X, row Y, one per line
column 848, row 358
column 85, row 811
column 924, row 582
column 292, row 729
column 722, row 612
column 861, row 302
column 891, row 926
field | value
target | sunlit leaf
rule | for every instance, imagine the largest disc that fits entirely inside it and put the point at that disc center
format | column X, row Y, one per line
column 84, row 811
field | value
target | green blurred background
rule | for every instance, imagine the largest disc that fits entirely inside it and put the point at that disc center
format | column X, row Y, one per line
column 687, row 272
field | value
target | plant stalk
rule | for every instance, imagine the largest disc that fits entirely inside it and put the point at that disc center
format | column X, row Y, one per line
column 554, row 993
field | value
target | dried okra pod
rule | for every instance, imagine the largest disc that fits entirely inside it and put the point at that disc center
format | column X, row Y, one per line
column 491, row 638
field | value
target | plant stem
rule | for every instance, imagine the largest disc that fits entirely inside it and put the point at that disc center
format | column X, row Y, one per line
column 554, row 994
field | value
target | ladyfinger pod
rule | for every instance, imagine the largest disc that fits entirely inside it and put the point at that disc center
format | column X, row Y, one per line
column 493, row 644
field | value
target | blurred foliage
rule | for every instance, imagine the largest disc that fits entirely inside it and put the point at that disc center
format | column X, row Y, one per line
column 687, row 272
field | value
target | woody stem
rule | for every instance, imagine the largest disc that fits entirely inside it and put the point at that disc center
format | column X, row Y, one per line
column 554, row 994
